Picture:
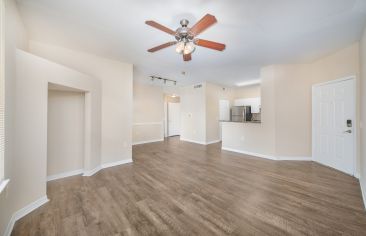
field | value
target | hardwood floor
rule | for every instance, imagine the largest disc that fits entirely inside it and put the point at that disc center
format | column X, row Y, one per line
column 180, row 188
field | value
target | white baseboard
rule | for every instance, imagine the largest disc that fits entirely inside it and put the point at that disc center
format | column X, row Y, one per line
column 296, row 158
column 199, row 142
column 106, row 165
column 276, row 158
column 92, row 172
column 363, row 193
column 148, row 141
column 192, row 141
column 23, row 212
column 65, row 174
column 214, row 141
column 356, row 175
column 249, row 153
column 117, row 163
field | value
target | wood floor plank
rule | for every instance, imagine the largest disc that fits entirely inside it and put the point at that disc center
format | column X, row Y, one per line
column 181, row 188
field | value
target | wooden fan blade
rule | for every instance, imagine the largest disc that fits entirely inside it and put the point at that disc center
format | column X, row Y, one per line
column 203, row 24
column 165, row 45
column 160, row 27
column 210, row 44
column 187, row 57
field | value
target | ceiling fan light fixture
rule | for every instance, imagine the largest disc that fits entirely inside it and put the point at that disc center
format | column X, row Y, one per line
column 189, row 48
column 180, row 47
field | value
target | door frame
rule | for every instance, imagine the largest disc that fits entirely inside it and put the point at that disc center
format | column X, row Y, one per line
column 356, row 125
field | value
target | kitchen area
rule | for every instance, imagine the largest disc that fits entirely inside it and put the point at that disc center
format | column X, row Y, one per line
column 243, row 107
column 241, row 121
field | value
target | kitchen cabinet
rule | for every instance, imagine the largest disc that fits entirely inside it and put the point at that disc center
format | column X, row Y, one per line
column 255, row 103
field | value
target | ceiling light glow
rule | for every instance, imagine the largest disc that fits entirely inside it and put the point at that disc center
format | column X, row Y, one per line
column 248, row 82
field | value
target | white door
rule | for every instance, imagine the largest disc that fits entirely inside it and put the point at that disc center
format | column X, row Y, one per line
column 173, row 119
column 334, row 108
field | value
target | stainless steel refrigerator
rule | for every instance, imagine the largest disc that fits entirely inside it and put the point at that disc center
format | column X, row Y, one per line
column 241, row 113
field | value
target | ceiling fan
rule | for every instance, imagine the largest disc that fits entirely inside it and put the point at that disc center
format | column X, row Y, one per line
column 186, row 37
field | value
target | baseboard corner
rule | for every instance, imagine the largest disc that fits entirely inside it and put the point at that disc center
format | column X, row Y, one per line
column 92, row 172
column 23, row 212
column 117, row 163
column 65, row 174
column 214, row 141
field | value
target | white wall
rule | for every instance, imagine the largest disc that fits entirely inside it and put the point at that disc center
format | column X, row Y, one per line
column 252, row 137
column 116, row 78
column 148, row 113
column 250, row 91
column 212, row 112
column 363, row 116
column 193, row 113
column 16, row 37
column 30, row 156
column 285, row 130
column 65, row 131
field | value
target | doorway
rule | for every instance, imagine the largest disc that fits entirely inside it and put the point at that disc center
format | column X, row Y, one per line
column 334, row 124
column 173, row 119
column 172, row 115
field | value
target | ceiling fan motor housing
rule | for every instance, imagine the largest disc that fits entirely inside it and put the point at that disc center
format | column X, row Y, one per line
column 183, row 32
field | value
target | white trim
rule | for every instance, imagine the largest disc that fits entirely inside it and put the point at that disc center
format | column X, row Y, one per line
column 148, row 141
column 214, row 141
column 65, row 174
column 198, row 142
column 357, row 175
column 117, row 163
column 92, row 172
column 355, row 123
column 192, row 141
column 106, row 165
column 249, row 153
column 4, row 182
column 149, row 123
column 270, row 157
column 23, row 212
column 363, row 193
column 335, row 81
column 294, row 158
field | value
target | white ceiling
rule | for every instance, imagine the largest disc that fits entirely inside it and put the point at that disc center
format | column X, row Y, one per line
column 256, row 33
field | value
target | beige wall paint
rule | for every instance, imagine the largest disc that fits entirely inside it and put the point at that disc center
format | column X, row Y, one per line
column 293, row 110
column 251, row 137
column 286, row 104
column 212, row 112
column 193, row 113
column 30, row 156
column 117, row 83
column 65, row 132
column 293, row 97
column 148, row 113
column 15, row 37
column 363, row 115
column 250, row 91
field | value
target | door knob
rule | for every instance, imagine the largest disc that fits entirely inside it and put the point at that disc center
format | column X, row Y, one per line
column 348, row 131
